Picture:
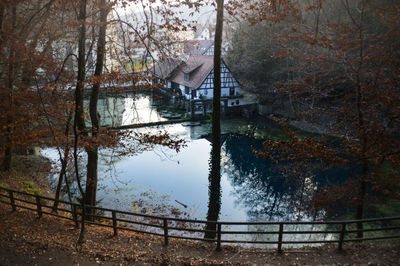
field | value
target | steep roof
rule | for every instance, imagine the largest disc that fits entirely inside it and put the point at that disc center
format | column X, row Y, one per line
column 187, row 69
column 164, row 69
column 200, row 67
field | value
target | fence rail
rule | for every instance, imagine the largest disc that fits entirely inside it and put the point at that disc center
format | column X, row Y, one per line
column 171, row 227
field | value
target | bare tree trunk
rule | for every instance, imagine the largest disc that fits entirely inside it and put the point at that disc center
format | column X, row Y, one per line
column 2, row 9
column 92, row 152
column 214, row 204
column 64, row 163
column 79, row 120
column 79, row 92
column 10, row 84
column 364, row 165
column 362, row 134
column 78, row 179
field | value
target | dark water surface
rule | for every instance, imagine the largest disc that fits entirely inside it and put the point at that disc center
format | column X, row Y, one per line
column 162, row 181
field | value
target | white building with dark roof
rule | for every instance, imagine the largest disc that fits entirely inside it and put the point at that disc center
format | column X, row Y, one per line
column 193, row 79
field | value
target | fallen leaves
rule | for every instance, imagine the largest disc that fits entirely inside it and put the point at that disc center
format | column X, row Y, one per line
column 54, row 239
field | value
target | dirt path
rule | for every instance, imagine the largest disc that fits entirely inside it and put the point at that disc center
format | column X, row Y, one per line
column 27, row 240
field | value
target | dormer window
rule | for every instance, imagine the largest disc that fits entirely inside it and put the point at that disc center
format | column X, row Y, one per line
column 187, row 77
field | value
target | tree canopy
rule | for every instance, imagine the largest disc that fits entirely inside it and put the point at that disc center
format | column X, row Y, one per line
column 338, row 63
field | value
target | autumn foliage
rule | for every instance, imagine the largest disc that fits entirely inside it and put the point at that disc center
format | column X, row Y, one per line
column 337, row 62
column 340, row 69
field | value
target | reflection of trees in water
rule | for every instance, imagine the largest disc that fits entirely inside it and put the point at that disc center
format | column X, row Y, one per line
column 111, row 110
column 256, row 187
column 258, row 183
column 108, row 158
column 284, row 191
column 261, row 187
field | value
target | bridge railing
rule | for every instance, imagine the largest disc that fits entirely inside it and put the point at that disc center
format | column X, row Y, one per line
column 339, row 232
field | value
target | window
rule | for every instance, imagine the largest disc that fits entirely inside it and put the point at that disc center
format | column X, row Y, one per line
column 232, row 91
column 187, row 77
column 205, row 92
column 187, row 90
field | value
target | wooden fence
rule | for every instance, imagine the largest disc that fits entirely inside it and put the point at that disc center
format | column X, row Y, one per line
column 168, row 227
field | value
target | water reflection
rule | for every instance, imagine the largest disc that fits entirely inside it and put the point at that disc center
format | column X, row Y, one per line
column 257, row 183
column 140, row 111
column 250, row 189
column 266, row 195
column 126, row 110
column 111, row 111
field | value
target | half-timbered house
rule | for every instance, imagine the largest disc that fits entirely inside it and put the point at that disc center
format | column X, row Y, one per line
column 164, row 71
column 193, row 80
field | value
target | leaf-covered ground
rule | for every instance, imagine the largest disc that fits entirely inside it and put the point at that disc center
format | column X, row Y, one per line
column 27, row 240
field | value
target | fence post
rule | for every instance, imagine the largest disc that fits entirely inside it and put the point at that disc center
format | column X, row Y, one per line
column 114, row 221
column 219, row 236
column 165, row 231
column 14, row 208
column 341, row 236
column 75, row 215
column 39, row 206
column 280, row 236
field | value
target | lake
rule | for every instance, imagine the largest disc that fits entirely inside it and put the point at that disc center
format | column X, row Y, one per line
column 163, row 182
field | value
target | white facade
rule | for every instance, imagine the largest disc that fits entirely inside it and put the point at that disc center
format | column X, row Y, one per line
column 230, row 88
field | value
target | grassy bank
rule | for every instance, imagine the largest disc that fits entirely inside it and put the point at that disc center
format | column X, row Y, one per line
column 29, row 174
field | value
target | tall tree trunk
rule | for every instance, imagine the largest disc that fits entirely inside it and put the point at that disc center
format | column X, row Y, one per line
column 214, row 204
column 64, row 163
column 10, row 84
column 79, row 120
column 364, row 165
column 361, row 197
column 92, row 152
column 79, row 92
column 2, row 9
column 362, row 134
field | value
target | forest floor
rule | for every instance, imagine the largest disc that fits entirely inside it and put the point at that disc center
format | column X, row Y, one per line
column 27, row 240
